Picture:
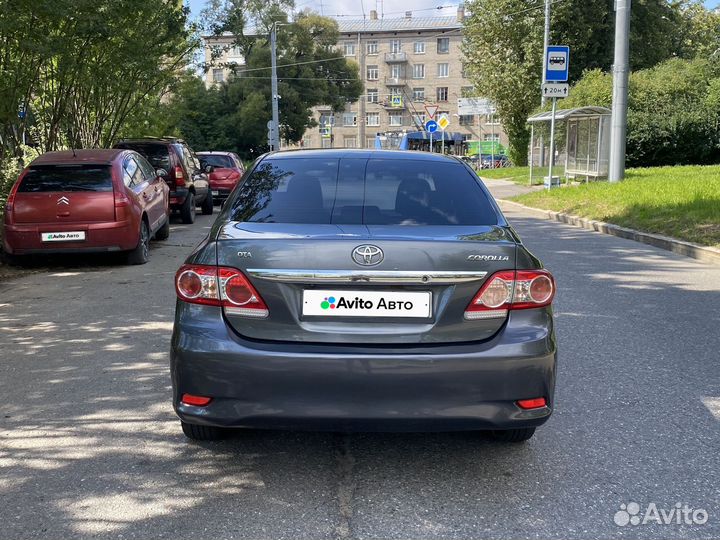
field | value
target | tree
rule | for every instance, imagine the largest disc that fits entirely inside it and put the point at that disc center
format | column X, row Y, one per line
column 311, row 72
column 503, row 47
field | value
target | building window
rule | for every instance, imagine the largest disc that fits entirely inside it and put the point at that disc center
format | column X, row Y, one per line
column 236, row 51
column 443, row 45
column 349, row 119
column 327, row 120
column 395, row 45
column 349, row 48
column 418, row 94
column 372, row 73
column 492, row 121
column 418, row 71
column 217, row 75
column 396, row 119
column 372, row 95
column 419, row 47
column 442, row 93
column 419, row 119
column 350, row 142
column 396, row 71
column 372, row 47
column 372, row 119
column 443, row 70
column 491, row 137
column 369, row 142
column 467, row 119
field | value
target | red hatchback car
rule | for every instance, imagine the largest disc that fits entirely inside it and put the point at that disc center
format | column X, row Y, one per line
column 87, row 201
column 227, row 167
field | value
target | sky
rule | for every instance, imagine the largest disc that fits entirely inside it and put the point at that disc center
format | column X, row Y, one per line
column 391, row 8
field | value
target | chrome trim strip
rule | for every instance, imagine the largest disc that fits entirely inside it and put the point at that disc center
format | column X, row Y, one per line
column 367, row 276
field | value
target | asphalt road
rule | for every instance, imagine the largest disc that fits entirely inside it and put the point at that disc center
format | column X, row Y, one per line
column 90, row 447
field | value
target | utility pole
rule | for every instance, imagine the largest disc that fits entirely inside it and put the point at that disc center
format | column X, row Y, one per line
column 274, row 87
column 621, row 69
column 546, row 44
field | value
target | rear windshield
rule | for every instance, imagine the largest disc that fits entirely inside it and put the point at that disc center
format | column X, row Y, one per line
column 67, row 178
column 362, row 191
column 217, row 161
column 157, row 154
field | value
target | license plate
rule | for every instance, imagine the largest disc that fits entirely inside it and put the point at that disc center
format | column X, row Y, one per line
column 66, row 236
column 339, row 303
column 215, row 192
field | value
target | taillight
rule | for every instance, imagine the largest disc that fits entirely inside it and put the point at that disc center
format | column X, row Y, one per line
column 197, row 401
column 510, row 289
column 219, row 286
column 11, row 200
column 179, row 176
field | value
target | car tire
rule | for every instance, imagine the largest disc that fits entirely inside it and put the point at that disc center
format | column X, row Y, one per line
column 141, row 253
column 163, row 232
column 202, row 433
column 207, row 205
column 187, row 211
column 513, row 435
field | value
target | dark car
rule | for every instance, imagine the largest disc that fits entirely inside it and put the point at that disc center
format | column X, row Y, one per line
column 363, row 290
column 187, row 179
column 227, row 167
column 87, row 200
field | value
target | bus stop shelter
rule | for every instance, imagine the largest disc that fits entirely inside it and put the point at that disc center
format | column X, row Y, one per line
column 587, row 140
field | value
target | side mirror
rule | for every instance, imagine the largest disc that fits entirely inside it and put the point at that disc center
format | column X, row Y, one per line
column 208, row 168
column 161, row 173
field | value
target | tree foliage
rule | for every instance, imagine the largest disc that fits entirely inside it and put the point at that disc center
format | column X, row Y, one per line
column 503, row 46
column 82, row 68
column 233, row 115
column 673, row 111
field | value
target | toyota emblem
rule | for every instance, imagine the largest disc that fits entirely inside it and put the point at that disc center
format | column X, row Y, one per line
column 368, row 255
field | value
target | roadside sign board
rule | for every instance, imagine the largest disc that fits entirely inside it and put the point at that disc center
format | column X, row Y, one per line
column 396, row 101
column 557, row 63
column 475, row 106
column 431, row 126
column 431, row 110
column 555, row 90
column 443, row 122
column 21, row 112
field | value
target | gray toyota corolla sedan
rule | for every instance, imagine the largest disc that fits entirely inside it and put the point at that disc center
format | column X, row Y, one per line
column 363, row 290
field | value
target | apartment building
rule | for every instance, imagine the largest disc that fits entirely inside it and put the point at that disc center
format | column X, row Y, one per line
column 405, row 63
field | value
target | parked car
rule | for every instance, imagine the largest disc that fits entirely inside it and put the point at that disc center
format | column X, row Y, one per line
column 358, row 289
column 87, row 200
column 227, row 167
column 187, row 179
column 499, row 161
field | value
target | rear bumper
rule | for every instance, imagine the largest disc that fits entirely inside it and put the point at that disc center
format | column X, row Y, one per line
column 25, row 239
column 177, row 198
column 410, row 388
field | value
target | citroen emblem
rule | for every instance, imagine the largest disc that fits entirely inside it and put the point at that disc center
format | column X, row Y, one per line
column 63, row 200
column 368, row 255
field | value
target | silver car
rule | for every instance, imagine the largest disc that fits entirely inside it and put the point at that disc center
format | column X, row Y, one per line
column 363, row 290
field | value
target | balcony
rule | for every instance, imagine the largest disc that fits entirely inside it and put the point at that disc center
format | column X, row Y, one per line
column 395, row 57
column 390, row 80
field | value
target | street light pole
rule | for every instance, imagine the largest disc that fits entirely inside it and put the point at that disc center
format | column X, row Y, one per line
column 274, row 87
column 621, row 69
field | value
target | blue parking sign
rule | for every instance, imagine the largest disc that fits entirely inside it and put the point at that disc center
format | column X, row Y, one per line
column 557, row 63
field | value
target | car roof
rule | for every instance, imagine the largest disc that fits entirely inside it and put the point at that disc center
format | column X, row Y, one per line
column 145, row 140
column 215, row 153
column 410, row 155
column 97, row 155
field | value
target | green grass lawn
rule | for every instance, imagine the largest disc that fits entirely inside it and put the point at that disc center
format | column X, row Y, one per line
column 682, row 202
column 520, row 175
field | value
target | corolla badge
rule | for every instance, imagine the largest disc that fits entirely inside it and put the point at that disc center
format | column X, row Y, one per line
column 63, row 200
column 368, row 255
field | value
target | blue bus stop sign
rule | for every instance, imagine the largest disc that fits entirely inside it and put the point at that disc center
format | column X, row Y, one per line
column 557, row 63
column 431, row 126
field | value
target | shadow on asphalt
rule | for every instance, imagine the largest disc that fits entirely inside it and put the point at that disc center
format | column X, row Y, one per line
column 89, row 444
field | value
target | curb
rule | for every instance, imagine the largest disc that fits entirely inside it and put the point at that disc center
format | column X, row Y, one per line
column 681, row 247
